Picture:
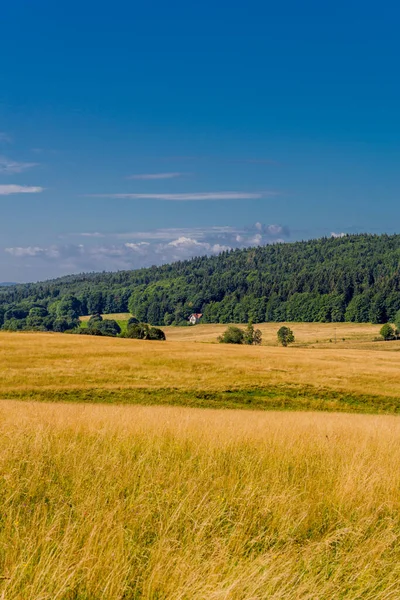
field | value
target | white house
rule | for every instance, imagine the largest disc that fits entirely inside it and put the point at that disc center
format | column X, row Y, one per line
column 195, row 318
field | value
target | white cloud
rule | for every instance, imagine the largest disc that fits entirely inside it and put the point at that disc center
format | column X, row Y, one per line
column 256, row 240
column 141, row 249
column 95, row 234
column 186, row 242
column 150, row 176
column 172, row 233
column 225, row 233
column 7, row 190
column 189, row 197
column 9, row 167
column 338, row 235
column 25, row 251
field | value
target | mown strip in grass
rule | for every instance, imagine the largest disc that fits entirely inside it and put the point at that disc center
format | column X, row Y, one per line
column 269, row 398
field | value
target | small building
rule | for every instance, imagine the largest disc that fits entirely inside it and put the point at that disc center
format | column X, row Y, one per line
column 195, row 318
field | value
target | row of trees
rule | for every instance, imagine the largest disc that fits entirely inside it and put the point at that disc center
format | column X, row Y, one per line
column 355, row 278
column 235, row 335
column 253, row 337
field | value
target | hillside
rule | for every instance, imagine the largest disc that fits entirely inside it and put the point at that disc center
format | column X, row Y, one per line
column 355, row 278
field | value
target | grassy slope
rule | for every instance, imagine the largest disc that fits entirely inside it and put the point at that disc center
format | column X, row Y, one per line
column 355, row 375
column 164, row 503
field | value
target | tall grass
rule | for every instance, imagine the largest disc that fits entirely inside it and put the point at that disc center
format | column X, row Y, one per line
column 101, row 502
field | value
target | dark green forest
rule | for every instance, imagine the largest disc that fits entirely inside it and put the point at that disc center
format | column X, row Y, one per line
column 354, row 278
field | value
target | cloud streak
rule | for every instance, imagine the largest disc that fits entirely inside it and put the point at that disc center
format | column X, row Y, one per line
column 7, row 190
column 10, row 167
column 225, row 232
column 190, row 197
column 154, row 176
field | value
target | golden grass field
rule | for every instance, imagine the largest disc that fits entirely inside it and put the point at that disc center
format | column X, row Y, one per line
column 306, row 333
column 139, row 502
column 132, row 502
column 357, row 374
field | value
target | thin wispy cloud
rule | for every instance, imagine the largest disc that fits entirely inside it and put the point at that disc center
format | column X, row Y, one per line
column 162, row 234
column 222, row 159
column 225, row 232
column 257, row 161
column 22, row 251
column 7, row 190
column 189, row 197
column 152, row 176
column 94, row 234
column 10, row 167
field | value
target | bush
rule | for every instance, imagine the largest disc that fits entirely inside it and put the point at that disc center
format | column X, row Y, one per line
column 233, row 335
column 285, row 336
column 132, row 321
column 62, row 324
column 137, row 331
column 142, row 331
column 156, row 334
column 108, row 327
column 94, row 320
column 251, row 336
column 85, row 331
column 387, row 332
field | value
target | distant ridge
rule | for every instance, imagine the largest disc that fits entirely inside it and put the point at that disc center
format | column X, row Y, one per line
column 351, row 278
column 7, row 283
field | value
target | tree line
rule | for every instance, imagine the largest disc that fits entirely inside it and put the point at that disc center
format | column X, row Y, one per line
column 355, row 278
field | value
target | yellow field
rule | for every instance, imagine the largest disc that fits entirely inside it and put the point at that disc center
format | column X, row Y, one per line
column 343, row 334
column 40, row 363
column 166, row 502
column 113, row 503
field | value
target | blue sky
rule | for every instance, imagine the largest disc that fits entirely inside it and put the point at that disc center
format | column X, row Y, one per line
column 136, row 133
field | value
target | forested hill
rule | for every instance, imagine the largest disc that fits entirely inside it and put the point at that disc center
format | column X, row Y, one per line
column 354, row 278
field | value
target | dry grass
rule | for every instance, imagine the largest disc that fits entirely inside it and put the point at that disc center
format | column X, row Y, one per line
column 115, row 316
column 39, row 361
column 145, row 503
column 345, row 334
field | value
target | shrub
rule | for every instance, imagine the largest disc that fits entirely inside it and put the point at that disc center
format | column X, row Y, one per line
column 387, row 332
column 142, row 331
column 108, row 327
column 94, row 320
column 137, row 331
column 285, row 336
column 62, row 324
column 233, row 335
column 156, row 334
column 251, row 336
